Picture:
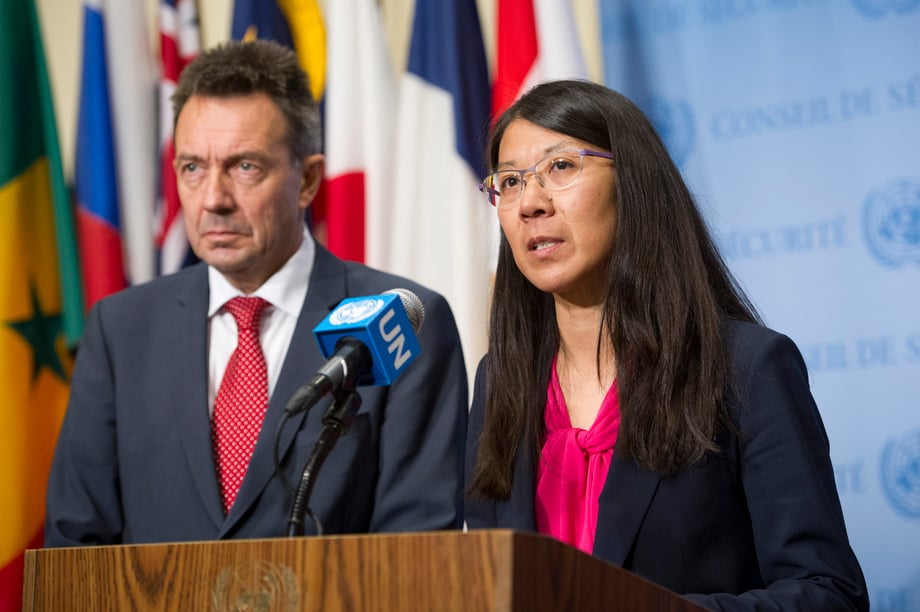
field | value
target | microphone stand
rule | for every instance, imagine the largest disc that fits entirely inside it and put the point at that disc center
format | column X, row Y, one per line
column 336, row 421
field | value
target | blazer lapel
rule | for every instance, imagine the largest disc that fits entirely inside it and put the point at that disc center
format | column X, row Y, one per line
column 623, row 503
column 190, row 373
column 327, row 288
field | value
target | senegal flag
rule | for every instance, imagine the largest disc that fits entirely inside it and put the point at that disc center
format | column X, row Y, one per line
column 40, row 303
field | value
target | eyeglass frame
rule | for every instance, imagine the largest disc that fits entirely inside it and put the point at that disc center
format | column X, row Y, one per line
column 582, row 153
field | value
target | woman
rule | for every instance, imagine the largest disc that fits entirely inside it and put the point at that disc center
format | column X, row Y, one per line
column 631, row 404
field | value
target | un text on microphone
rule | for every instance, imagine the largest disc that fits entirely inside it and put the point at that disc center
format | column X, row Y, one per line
column 381, row 324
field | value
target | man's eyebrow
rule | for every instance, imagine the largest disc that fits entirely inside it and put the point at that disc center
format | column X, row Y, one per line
column 185, row 157
column 253, row 154
column 248, row 154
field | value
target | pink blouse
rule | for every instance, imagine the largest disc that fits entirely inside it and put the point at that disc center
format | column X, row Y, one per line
column 573, row 467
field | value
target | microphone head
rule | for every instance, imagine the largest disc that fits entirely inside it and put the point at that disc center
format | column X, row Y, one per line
column 415, row 310
column 386, row 324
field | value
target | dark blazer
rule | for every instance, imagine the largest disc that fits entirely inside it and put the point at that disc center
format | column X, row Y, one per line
column 134, row 461
column 757, row 527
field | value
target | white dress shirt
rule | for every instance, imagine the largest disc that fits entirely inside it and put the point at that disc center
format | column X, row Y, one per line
column 285, row 291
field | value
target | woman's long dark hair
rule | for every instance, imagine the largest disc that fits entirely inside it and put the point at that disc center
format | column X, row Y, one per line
column 667, row 293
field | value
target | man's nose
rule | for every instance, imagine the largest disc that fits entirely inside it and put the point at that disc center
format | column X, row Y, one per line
column 217, row 194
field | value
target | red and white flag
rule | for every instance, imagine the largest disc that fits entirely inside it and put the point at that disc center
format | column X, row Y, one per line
column 360, row 109
column 537, row 40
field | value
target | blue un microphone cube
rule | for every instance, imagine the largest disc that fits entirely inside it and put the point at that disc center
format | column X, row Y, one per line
column 381, row 323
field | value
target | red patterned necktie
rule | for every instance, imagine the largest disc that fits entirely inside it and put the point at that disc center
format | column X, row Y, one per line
column 241, row 400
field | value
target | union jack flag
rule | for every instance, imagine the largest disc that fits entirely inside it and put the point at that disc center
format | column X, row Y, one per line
column 179, row 44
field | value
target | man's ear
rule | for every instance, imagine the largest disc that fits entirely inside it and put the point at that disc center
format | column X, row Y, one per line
column 312, row 170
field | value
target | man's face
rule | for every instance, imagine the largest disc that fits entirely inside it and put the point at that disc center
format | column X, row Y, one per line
column 243, row 196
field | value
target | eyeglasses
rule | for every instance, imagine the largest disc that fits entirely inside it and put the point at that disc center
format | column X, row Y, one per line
column 559, row 170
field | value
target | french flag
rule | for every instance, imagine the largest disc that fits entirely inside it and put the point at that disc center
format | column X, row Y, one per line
column 179, row 44
column 440, row 231
column 115, row 164
column 359, row 108
column 537, row 40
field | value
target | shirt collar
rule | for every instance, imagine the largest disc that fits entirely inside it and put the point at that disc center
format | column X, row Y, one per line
column 285, row 289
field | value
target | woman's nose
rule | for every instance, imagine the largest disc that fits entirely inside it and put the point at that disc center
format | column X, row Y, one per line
column 535, row 199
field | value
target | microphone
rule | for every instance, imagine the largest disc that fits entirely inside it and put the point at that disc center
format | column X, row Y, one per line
column 367, row 340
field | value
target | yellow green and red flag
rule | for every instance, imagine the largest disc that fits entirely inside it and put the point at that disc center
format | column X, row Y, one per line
column 41, row 314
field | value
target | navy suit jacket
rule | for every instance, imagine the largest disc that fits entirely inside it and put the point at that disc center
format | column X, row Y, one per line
column 757, row 527
column 134, row 461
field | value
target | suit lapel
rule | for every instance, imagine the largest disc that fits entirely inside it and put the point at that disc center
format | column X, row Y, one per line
column 190, row 373
column 327, row 288
column 623, row 503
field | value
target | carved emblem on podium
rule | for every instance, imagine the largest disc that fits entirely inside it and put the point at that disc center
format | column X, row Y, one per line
column 255, row 587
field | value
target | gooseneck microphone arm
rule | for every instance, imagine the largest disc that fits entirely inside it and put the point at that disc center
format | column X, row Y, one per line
column 336, row 421
column 371, row 343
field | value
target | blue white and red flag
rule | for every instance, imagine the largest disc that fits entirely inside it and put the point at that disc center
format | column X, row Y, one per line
column 440, row 231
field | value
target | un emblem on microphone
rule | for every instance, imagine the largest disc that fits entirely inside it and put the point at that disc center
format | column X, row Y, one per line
column 355, row 311
column 878, row 8
column 674, row 122
column 891, row 222
column 901, row 474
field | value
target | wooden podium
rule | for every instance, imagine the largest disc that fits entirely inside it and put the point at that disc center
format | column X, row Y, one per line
column 479, row 570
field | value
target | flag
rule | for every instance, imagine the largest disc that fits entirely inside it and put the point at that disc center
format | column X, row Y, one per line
column 440, row 231
column 116, row 159
column 179, row 44
column 359, row 106
column 537, row 40
column 40, row 303
column 297, row 24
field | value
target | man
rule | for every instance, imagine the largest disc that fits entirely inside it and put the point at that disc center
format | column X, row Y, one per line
column 147, row 449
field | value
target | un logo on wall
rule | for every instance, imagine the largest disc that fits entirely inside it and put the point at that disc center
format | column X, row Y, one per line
column 901, row 474
column 891, row 223
column 674, row 122
column 877, row 8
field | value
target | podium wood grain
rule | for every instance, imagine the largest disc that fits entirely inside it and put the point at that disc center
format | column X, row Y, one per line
column 481, row 570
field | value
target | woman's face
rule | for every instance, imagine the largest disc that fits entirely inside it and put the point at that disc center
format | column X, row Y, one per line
column 562, row 239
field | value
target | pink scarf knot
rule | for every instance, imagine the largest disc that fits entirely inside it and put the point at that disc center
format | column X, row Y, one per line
column 573, row 468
